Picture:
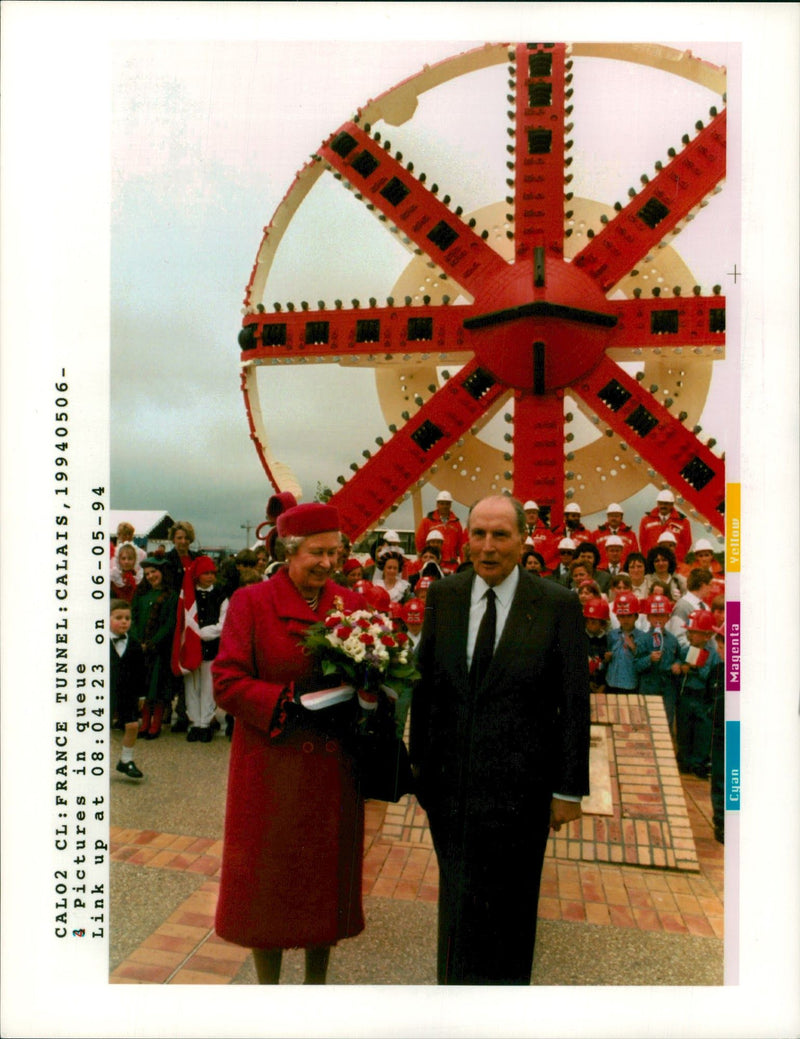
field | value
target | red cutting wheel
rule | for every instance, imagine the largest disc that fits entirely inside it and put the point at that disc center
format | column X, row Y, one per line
column 519, row 307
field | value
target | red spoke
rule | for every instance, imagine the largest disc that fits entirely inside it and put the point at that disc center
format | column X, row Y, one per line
column 411, row 452
column 415, row 209
column 540, row 101
column 337, row 334
column 539, row 450
column 670, row 321
column 674, row 451
column 661, row 204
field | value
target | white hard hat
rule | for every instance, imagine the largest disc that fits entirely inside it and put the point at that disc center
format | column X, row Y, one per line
column 573, row 507
column 667, row 538
column 566, row 543
column 435, row 535
column 703, row 545
column 613, row 507
column 530, row 505
column 614, row 540
column 666, row 496
column 392, row 535
column 444, row 496
column 529, row 541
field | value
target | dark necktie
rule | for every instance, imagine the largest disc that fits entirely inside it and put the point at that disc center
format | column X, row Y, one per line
column 484, row 644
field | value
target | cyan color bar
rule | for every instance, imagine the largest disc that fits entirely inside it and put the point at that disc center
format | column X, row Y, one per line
column 733, row 777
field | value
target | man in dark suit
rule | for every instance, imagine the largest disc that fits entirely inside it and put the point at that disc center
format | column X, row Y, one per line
column 499, row 743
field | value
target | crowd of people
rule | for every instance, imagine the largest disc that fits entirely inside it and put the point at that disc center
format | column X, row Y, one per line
column 198, row 645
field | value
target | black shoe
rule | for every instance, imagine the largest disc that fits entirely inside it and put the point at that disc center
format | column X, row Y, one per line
column 129, row 769
column 193, row 735
column 206, row 735
column 181, row 725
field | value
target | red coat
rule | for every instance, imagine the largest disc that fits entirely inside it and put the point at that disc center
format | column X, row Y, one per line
column 451, row 530
column 545, row 543
column 625, row 533
column 294, row 822
column 651, row 528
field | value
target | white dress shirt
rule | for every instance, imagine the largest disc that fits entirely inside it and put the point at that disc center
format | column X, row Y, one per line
column 504, row 593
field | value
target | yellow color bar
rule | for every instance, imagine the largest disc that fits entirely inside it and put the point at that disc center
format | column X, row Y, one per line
column 733, row 527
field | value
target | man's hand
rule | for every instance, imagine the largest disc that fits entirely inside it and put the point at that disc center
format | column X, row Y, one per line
column 563, row 812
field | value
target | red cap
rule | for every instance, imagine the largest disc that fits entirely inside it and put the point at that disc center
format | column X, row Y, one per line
column 351, row 564
column 596, row 608
column 279, row 503
column 414, row 611
column 311, row 518
column 203, row 565
column 626, row 604
column 376, row 596
column 701, row 620
column 658, row 605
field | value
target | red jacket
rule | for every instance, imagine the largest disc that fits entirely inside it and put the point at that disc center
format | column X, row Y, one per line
column 294, row 823
column 625, row 533
column 450, row 528
column 651, row 528
column 545, row 544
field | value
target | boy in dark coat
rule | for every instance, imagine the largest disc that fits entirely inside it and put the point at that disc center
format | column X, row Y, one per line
column 127, row 670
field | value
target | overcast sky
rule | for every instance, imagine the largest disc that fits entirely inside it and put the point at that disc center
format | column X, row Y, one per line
column 206, row 139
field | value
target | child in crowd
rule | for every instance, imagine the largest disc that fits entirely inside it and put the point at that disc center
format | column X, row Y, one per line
column 694, row 713
column 153, row 613
column 126, row 574
column 352, row 572
column 629, row 647
column 127, row 682
column 596, row 615
column 212, row 605
column 413, row 616
column 663, row 667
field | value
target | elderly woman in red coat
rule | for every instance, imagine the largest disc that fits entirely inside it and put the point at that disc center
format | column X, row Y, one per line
column 294, row 824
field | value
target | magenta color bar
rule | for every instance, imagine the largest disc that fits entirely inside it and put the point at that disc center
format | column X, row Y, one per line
column 733, row 647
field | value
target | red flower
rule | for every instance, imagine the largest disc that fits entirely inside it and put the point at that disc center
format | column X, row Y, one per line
column 343, row 632
column 368, row 640
column 387, row 640
column 362, row 622
column 401, row 638
column 331, row 621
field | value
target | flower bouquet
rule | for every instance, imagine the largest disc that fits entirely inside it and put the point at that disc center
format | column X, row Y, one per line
column 367, row 651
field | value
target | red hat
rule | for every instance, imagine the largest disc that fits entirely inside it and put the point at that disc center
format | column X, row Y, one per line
column 279, row 503
column 423, row 583
column 597, row 608
column 658, row 605
column 626, row 604
column 376, row 596
column 414, row 611
column 203, row 565
column 701, row 620
column 311, row 518
column 351, row 565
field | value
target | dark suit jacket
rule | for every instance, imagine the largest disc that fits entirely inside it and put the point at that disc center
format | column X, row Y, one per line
column 128, row 679
column 524, row 734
